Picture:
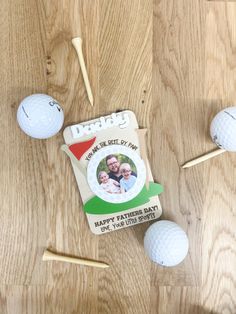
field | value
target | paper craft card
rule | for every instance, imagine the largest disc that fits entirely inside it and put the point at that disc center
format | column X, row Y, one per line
column 108, row 156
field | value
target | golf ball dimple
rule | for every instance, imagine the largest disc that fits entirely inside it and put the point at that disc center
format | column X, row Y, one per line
column 166, row 243
column 40, row 116
column 223, row 129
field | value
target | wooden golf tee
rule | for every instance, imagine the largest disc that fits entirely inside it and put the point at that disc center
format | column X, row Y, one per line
column 202, row 158
column 141, row 135
column 77, row 43
column 49, row 256
column 74, row 160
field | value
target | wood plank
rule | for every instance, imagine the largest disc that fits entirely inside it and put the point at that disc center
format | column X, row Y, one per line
column 23, row 215
column 68, row 230
column 125, row 38
column 45, row 299
column 174, row 300
column 125, row 47
column 219, row 242
column 178, row 125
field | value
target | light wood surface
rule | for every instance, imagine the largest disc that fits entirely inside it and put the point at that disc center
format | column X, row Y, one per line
column 174, row 64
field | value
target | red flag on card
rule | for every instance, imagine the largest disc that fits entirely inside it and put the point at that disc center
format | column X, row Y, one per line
column 78, row 149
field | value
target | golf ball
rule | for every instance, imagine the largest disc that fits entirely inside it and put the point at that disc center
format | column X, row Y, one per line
column 223, row 129
column 166, row 243
column 40, row 116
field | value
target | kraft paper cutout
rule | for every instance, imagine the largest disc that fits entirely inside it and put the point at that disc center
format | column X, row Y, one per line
column 116, row 184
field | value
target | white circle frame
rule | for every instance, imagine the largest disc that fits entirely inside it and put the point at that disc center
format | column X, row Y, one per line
column 92, row 174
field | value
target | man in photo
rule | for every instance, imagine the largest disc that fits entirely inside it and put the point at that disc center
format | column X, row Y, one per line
column 128, row 180
column 113, row 165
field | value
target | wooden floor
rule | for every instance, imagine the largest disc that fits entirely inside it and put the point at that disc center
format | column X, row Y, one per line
column 174, row 64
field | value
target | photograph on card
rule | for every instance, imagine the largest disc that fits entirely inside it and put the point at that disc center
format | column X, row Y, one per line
column 116, row 173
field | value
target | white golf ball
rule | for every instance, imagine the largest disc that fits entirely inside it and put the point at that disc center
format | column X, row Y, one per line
column 40, row 116
column 223, row 129
column 166, row 243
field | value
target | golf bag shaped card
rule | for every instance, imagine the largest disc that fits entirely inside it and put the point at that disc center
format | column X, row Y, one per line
column 108, row 156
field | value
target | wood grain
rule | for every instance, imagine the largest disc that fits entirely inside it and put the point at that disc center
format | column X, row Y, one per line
column 23, row 212
column 177, row 126
column 173, row 63
column 125, row 73
column 219, row 253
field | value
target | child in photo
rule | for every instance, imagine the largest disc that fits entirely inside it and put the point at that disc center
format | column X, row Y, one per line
column 128, row 180
column 109, row 185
